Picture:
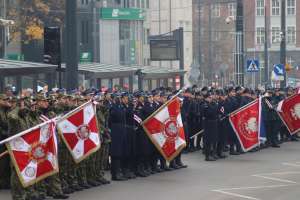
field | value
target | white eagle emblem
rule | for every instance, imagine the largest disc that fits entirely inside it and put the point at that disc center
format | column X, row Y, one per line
column 296, row 111
column 251, row 125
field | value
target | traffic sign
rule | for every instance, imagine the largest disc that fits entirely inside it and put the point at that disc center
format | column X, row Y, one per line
column 279, row 69
column 252, row 65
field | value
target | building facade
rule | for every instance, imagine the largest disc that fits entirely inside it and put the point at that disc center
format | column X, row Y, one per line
column 214, row 40
column 255, row 34
column 168, row 15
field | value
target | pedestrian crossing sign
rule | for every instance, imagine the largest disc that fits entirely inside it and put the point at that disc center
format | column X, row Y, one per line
column 252, row 65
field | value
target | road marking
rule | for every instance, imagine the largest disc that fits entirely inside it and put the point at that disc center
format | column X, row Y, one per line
column 264, row 176
column 275, row 179
column 254, row 187
column 235, row 195
column 292, row 164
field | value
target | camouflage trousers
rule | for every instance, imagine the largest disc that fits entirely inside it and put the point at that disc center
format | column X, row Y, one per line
column 18, row 192
column 101, row 160
column 4, row 171
column 67, row 173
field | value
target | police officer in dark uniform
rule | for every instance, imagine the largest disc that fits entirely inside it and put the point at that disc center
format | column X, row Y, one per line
column 222, row 133
column 148, row 109
column 230, row 105
column 141, row 137
column 117, row 124
column 269, row 108
column 210, row 122
column 128, row 163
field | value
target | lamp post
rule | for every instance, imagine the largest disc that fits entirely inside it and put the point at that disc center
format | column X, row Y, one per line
column 283, row 42
column 72, row 45
column 6, row 24
column 239, row 54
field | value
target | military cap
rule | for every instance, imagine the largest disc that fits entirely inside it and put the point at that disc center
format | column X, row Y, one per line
column 188, row 90
column 13, row 99
column 238, row 89
column 220, row 92
column 197, row 93
column 138, row 94
column 247, row 91
column 206, row 95
column 41, row 97
column 4, row 97
column 155, row 92
column 230, row 89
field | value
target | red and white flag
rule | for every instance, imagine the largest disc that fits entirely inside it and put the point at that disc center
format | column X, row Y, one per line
column 289, row 112
column 165, row 129
column 245, row 123
column 34, row 154
column 79, row 131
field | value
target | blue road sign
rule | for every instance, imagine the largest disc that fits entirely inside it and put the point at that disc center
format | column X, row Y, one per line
column 252, row 65
column 279, row 69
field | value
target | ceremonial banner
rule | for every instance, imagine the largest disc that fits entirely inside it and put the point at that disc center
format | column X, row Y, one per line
column 79, row 131
column 165, row 129
column 245, row 123
column 34, row 154
column 289, row 112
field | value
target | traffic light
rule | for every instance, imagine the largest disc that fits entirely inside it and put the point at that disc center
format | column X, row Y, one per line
column 52, row 45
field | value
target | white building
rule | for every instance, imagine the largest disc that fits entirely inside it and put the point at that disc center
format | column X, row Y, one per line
column 168, row 15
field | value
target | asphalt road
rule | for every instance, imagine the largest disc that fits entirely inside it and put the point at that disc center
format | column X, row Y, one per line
column 265, row 175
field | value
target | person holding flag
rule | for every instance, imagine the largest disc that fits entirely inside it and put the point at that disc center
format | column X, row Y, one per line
column 5, row 108
column 18, row 122
column 271, row 119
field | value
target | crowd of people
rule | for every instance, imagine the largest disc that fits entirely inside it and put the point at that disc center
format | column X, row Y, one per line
column 125, row 148
column 208, row 110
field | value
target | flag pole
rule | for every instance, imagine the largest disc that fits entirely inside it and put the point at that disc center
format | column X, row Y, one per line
column 3, row 154
column 23, row 132
column 199, row 133
column 167, row 102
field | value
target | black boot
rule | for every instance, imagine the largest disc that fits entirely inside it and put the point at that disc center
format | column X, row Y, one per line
column 154, row 166
column 173, row 165
column 209, row 158
column 116, row 174
column 232, row 151
column 140, row 171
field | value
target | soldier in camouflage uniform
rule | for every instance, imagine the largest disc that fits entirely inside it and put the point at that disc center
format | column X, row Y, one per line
column 5, row 107
column 67, row 174
column 52, row 185
column 102, row 153
column 18, row 122
column 82, row 166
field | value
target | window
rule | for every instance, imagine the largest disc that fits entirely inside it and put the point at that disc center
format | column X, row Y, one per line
column 232, row 9
column 146, row 38
column 216, row 10
column 216, row 35
column 84, row 32
column 147, row 4
column 132, row 3
column 143, row 4
column 275, row 7
column 260, row 35
column 260, row 7
column 275, row 35
column 291, row 7
column 84, row 2
column 138, row 3
column 291, row 34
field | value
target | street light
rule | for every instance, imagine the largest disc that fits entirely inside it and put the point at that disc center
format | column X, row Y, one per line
column 6, row 24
